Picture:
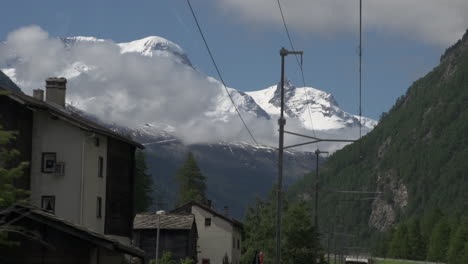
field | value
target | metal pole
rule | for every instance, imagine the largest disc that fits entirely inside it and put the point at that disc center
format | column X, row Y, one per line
column 281, row 123
column 317, row 154
column 157, row 239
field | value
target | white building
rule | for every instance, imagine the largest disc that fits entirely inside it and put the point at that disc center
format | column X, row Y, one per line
column 80, row 171
column 218, row 234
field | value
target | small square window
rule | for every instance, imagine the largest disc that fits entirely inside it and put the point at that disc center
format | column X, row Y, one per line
column 205, row 261
column 99, row 207
column 48, row 162
column 207, row 221
column 101, row 167
column 48, row 203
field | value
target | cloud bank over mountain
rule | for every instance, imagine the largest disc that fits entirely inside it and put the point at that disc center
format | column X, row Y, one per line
column 432, row 21
column 152, row 81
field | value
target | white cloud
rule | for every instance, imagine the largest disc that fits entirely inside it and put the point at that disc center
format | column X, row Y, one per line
column 438, row 22
column 132, row 90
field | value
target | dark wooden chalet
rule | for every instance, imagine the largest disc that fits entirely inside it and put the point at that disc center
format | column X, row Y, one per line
column 46, row 238
column 178, row 235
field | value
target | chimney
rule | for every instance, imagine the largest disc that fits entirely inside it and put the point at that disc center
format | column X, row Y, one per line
column 226, row 211
column 38, row 94
column 55, row 91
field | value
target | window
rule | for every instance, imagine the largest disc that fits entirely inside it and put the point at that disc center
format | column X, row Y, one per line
column 48, row 203
column 101, row 167
column 238, row 244
column 208, row 223
column 97, row 142
column 48, row 162
column 99, row 207
column 205, row 261
column 233, row 242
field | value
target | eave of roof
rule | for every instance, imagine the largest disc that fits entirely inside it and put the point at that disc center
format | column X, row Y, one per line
column 75, row 119
column 81, row 232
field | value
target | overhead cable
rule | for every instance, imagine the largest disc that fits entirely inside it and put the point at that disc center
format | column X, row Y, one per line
column 219, row 73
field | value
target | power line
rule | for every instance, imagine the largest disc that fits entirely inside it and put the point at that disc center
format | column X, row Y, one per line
column 219, row 73
column 299, row 63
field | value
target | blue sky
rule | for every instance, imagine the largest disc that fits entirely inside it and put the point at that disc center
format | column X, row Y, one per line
column 246, row 37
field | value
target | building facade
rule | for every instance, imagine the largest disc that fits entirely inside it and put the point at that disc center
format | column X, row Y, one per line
column 80, row 171
column 219, row 236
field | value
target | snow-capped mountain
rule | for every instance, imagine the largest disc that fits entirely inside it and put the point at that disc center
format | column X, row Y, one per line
column 314, row 108
column 151, row 81
column 310, row 107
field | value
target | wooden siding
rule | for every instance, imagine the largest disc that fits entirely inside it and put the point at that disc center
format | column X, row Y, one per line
column 119, row 191
column 181, row 243
column 16, row 117
column 66, row 248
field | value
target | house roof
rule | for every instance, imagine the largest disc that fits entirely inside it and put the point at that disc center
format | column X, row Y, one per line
column 167, row 221
column 211, row 210
column 67, row 115
column 81, row 232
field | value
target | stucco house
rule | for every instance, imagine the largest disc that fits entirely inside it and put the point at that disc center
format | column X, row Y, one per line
column 80, row 172
column 218, row 234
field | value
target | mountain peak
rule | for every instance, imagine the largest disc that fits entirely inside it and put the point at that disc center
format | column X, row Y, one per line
column 154, row 45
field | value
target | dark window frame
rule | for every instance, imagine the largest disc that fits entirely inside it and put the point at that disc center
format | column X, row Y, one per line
column 99, row 207
column 43, row 200
column 43, row 167
column 208, row 221
column 101, row 167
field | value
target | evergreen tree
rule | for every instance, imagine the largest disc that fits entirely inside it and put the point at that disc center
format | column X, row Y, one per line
column 9, row 172
column 416, row 242
column 457, row 243
column 464, row 254
column 301, row 242
column 143, row 184
column 439, row 241
column 399, row 246
column 192, row 183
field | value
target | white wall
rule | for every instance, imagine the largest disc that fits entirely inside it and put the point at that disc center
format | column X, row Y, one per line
column 216, row 240
column 76, row 148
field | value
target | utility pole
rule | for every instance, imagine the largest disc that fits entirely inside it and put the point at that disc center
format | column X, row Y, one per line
column 281, row 123
column 317, row 154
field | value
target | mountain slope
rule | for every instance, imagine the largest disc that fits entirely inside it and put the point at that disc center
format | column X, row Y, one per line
column 415, row 158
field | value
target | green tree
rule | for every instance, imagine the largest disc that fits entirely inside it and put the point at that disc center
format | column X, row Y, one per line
column 399, row 246
column 165, row 259
column 416, row 241
column 10, row 171
column 144, row 186
column 192, row 183
column 457, row 243
column 301, row 241
column 439, row 241
column 464, row 254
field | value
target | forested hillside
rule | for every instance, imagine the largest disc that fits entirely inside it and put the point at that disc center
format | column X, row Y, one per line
column 416, row 161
